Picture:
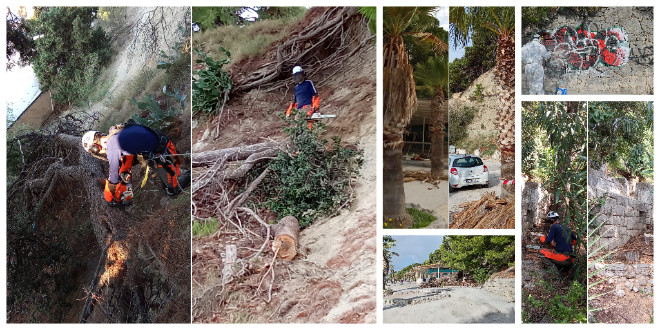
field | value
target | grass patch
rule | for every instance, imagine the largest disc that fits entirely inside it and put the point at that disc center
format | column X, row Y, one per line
column 203, row 228
column 244, row 41
column 422, row 219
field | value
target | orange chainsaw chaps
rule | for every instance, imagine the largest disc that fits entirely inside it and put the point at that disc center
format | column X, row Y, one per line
column 551, row 254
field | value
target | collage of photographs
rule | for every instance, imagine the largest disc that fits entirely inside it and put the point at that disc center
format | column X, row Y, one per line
column 376, row 165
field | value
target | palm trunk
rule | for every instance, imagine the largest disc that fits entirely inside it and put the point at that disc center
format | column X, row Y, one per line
column 506, row 117
column 394, row 196
column 438, row 135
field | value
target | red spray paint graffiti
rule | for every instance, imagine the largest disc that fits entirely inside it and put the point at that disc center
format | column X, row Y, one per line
column 581, row 49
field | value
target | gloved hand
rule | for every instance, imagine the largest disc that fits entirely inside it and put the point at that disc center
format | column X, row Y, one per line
column 291, row 106
column 125, row 177
column 316, row 103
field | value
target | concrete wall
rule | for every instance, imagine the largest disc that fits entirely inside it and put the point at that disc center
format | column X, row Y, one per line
column 623, row 216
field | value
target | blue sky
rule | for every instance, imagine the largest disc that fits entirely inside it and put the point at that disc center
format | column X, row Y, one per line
column 412, row 249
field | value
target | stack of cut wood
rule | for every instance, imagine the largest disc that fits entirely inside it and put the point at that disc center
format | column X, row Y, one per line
column 490, row 212
column 421, row 175
column 433, row 283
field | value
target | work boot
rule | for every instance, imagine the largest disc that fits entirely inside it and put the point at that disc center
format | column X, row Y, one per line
column 184, row 179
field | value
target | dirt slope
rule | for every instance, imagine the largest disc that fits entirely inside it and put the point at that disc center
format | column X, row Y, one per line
column 333, row 280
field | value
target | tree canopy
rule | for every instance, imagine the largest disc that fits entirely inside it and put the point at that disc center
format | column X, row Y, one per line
column 20, row 46
column 621, row 136
column 70, row 51
column 478, row 59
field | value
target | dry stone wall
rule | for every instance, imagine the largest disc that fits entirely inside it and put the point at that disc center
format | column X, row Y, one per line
column 622, row 216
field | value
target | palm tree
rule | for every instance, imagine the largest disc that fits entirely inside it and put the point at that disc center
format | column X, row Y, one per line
column 388, row 244
column 400, row 101
column 432, row 78
column 463, row 22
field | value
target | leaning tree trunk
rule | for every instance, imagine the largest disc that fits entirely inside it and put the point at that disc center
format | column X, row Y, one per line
column 506, row 116
column 438, row 135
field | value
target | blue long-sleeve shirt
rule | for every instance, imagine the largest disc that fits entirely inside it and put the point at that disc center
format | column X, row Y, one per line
column 562, row 236
column 304, row 92
column 130, row 140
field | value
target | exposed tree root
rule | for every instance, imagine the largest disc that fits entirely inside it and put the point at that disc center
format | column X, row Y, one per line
column 489, row 212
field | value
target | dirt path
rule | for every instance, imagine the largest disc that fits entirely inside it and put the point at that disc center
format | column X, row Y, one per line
column 456, row 305
column 469, row 194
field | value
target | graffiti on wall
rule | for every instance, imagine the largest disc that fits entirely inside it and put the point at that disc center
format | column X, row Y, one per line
column 580, row 49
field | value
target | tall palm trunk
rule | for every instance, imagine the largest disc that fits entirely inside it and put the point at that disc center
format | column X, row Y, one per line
column 506, row 116
column 438, row 134
column 400, row 101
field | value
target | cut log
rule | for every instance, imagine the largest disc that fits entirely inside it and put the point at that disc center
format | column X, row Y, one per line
column 231, row 256
column 286, row 238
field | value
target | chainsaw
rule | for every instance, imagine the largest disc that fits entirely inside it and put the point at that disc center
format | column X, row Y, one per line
column 317, row 115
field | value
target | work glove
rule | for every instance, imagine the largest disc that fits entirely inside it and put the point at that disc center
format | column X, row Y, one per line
column 316, row 103
column 291, row 106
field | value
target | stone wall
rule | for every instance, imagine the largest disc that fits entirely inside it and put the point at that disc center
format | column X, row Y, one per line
column 633, row 77
column 534, row 205
column 623, row 216
column 504, row 287
column 627, row 277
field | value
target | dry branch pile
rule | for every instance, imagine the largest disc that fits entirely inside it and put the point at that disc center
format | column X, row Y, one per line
column 489, row 212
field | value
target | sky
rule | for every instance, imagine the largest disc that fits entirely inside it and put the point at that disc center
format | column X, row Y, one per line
column 413, row 249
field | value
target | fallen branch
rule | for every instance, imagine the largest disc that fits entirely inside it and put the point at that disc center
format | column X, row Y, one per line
column 489, row 212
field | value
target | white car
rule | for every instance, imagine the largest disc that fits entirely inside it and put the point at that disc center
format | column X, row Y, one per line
column 467, row 170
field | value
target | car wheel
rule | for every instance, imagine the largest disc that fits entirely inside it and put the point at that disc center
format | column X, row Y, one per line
column 484, row 185
column 451, row 189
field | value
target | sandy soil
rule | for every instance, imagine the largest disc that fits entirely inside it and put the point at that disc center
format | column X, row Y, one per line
column 469, row 194
column 427, row 196
column 332, row 280
column 459, row 305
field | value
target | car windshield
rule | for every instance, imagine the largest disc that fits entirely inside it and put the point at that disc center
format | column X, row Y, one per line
column 467, row 162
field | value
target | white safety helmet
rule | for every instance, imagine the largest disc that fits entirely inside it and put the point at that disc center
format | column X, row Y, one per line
column 297, row 69
column 89, row 139
column 552, row 216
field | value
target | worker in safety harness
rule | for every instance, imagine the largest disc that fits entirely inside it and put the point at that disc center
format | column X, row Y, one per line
column 305, row 95
column 121, row 147
column 560, row 254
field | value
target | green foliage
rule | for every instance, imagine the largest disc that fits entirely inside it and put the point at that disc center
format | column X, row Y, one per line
column 180, row 49
column 69, row 52
column 478, row 59
column 621, row 135
column 555, row 146
column 19, row 40
column 212, row 85
column 313, row 178
column 479, row 93
column 431, row 77
column 458, row 123
column 157, row 118
column 371, row 14
column 203, row 228
column 422, row 219
column 210, row 17
column 479, row 256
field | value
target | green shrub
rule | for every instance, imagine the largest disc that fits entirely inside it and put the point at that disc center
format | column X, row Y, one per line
column 156, row 117
column 458, row 123
column 479, row 93
column 314, row 177
column 202, row 228
column 211, row 86
column 422, row 219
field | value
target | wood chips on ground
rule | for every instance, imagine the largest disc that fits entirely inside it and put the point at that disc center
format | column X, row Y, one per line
column 490, row 212
column 423, row 176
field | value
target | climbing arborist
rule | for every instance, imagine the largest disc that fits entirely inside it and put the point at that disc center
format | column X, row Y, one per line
column 305, row 95
column 532, row 54
column 121, row 147
column 560, row 254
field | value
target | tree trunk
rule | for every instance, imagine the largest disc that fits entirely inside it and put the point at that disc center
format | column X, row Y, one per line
column 394, row 196
column 438, row 135
column 506, row 115
column 286, row 238
column 266, row 149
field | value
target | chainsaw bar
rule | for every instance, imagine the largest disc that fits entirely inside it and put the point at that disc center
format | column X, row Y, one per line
column 320, row 116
